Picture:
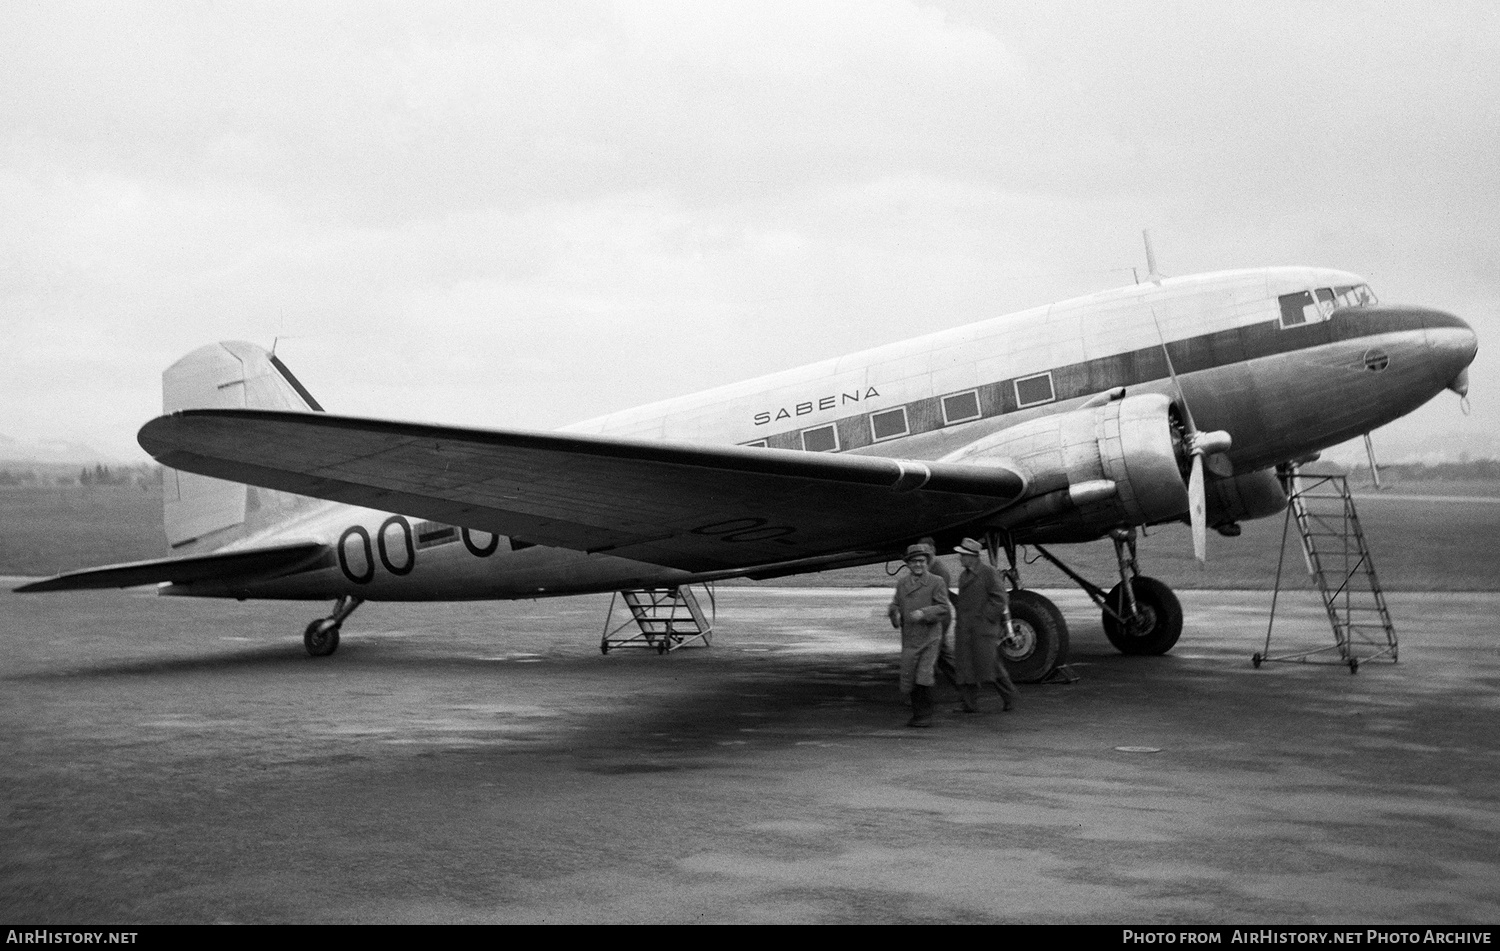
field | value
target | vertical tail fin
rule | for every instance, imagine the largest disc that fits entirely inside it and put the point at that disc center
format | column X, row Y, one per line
column 201, row 514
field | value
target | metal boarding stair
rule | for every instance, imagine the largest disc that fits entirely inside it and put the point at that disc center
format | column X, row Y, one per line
column 666, row 619
column 1337, row 557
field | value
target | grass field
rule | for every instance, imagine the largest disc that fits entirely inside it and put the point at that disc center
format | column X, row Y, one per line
column 44, row 530
column 1417, row 545
column 1420, row 543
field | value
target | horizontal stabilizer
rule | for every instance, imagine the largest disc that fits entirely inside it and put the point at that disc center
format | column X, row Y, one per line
column 217, row 566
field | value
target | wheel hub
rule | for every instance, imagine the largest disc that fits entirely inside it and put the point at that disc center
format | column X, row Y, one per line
column 1021, row 644
column 1144, row 621
column 320, row 633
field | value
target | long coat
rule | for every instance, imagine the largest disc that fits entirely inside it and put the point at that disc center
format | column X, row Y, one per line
column 921, row 608
column 982, row 599
column 936, row 567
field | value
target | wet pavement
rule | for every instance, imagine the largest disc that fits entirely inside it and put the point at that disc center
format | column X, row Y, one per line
column 171, row 760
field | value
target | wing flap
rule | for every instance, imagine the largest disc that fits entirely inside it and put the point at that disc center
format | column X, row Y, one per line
column 700, row 508
column 219, row 566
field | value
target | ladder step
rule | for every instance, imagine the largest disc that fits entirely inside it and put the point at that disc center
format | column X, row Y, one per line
column 667, row 618
column 1337, row 557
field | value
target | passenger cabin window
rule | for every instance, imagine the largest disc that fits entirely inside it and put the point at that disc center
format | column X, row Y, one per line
column 1034, row 390
column 889, row 424
column 821, row 439
column 960, row 407
column 757, row 444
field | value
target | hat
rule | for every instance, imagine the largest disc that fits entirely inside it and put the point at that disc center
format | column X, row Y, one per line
column 919, row 549
column 969, row 547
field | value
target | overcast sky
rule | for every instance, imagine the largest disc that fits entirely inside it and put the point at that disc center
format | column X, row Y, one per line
column 522, row 215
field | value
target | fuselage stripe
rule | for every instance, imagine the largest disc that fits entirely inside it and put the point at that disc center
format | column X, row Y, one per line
column 1132, row 368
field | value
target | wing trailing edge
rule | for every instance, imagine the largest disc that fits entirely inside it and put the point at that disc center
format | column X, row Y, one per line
column 216, row 566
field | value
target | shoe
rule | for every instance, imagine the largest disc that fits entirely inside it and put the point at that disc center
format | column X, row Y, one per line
column 969, row 697
column 1006, row 701
column 965, row 709
column 921, row 724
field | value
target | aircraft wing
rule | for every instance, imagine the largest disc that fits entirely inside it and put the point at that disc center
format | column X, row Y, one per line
column 219, row 566
column 699, row 508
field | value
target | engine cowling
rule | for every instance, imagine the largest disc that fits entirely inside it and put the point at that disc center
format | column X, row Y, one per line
column 1249, row 495
column 1120, row 462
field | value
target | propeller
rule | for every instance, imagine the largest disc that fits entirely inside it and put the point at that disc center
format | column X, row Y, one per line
column 1198, row 444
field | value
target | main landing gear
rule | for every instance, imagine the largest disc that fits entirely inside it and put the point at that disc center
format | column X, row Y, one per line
column 322, row 636
column 1037, row 644
column 1141, row 614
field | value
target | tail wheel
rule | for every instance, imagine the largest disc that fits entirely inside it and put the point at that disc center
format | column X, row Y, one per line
column 322, row 637
column 1040, row 641
column 1156, row 625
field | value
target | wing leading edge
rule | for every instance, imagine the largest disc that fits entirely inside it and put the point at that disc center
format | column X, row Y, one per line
column 699, row 508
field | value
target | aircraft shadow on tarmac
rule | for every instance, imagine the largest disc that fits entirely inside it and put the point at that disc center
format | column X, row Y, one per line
column 629, row 712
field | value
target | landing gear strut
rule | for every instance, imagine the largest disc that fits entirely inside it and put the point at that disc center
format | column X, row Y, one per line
column 322, row 635
column 1141, row 614
column 1152, row 627
column 1037, row 642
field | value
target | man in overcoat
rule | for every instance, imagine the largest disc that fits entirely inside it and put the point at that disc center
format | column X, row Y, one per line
column 920, row 608
column 945, row 666
column 981, row 606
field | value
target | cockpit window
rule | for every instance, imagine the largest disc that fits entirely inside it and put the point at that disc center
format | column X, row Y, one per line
column 1358, row 295
column 1298, row 309
column 1305, row 307
column 1325, row 301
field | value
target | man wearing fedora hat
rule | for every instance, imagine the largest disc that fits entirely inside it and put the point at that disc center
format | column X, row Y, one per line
column 945, row 666
column 920, row 608
column 982, row 600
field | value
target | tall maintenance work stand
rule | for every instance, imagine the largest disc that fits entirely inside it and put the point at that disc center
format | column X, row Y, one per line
column 1337, row 557
column 665, row 619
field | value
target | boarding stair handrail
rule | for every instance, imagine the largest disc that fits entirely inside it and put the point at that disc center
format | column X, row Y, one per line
column 666, row 619
column 1337, row 556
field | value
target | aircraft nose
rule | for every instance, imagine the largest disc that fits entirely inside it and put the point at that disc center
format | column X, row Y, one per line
column 1454, row 345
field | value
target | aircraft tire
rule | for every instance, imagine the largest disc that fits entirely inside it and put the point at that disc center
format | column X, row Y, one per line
column 1160, row 627
column 321, row 638
column 1042, row 635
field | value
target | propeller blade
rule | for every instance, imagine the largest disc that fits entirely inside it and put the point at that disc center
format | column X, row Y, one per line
column 1198, row 510
column 1199, row 444
column 1187, row 412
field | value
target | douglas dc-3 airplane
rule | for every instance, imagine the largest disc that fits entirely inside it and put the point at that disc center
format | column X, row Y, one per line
column 1170, row 400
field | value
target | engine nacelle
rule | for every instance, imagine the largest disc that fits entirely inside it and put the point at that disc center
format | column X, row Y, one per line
column 1257, row 494
column 1120, row 462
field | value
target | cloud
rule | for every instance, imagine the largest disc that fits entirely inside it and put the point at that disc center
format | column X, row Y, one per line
column 526, row 214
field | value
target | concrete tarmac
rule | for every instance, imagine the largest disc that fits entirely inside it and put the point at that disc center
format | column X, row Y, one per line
column 171, row 760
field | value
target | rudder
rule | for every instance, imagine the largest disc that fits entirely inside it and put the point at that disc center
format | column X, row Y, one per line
column 200, row 513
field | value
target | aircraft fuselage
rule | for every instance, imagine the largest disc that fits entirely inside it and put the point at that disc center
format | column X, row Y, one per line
column 1288, row 361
